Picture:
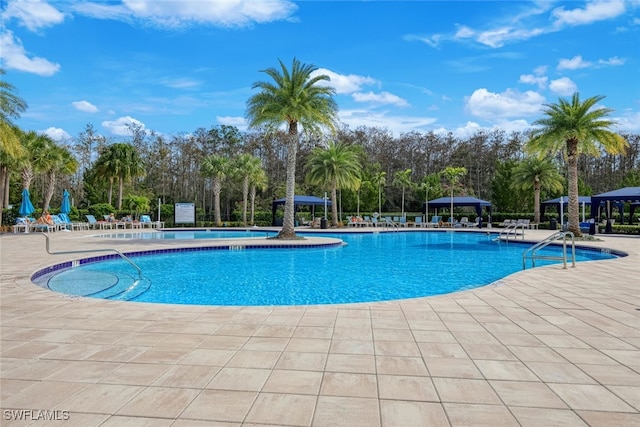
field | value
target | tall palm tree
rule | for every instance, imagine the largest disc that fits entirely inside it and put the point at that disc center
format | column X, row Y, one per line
column 11, row 149
column 11, row 106
column 453, row 175
column 295, row 97
column 120, row 161
column 535, row 173
column 575, row 127
column 48, row 158
column 403, row 179
column 245, row 166
column 336, row 166
column 379, row 179
column 428, row 183
column 217, row 168
column 258, row 180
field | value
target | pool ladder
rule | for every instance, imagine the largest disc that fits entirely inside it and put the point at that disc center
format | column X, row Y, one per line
column 130, row 289
column 511, row 230
column 531, row 252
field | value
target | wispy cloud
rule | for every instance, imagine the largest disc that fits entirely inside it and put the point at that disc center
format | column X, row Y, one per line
column 593, row 12
column 344, row 84
column 15, row 57
column 380, row 98
column 532, row 21
column 179, row 14
column 85, row 106
column 33, row 14
column 574, row 63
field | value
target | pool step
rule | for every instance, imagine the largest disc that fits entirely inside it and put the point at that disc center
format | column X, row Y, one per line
column 126, row 289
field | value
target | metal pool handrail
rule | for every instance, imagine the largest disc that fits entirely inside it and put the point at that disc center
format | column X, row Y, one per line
column 531, row 252
column 123, row 256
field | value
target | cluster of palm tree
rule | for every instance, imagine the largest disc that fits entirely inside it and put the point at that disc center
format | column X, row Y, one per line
column 246, row 168
column 293, row 109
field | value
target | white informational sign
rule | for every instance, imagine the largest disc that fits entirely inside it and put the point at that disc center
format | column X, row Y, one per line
column 185, row 213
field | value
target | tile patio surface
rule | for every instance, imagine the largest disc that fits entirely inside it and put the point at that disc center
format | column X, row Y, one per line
column 542, row 347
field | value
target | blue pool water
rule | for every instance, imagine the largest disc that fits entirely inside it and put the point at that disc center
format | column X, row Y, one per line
column 371, row 267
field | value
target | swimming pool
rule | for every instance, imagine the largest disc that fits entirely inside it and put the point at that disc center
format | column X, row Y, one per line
column 371, row 267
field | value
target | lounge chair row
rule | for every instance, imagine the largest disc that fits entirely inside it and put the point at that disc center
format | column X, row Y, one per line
column 63, row 222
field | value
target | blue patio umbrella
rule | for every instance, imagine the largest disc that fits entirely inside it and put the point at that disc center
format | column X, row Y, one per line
column 65, row 207
column 26, row 207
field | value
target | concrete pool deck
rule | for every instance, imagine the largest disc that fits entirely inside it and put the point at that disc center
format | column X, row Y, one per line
column 542, row 347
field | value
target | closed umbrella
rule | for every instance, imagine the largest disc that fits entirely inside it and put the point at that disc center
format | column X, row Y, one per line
column 65, row 207
column 26, row 207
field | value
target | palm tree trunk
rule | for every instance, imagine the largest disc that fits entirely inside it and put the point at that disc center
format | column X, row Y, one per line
column 49, row 189
column 245, row 199
column 288, row 223
column 4, row 189
column 572, row 167
column 217, row 189
column 110, row 198
column 120, row 190
column 536, row 202
column 253, row 204
column 334, row 204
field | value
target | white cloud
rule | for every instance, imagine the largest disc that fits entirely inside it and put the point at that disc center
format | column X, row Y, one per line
column 464, row 32
column 574, row 63
column 395, row 124
column 33, row 14
column 181, row 83
column 380, row 98
column 14, row 57
column 510, row 103
column 85, row 106
column 500, row 36
column 343, row 83
column 628, row 122
column 239, row 122
column 176, row 14
column 614, row 61
column 563, row 86
column 593, row 12
column 57, row 134
column 120, row 126
column 540, row 81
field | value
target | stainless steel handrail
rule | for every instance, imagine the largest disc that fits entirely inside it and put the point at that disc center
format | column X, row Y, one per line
column 123, row 256
column 511, row 229
column 547, row 241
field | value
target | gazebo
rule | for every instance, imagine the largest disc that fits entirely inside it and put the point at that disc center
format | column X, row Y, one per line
column 312, row 201
column 445, row 202
column 561, row 203
column 619, row 197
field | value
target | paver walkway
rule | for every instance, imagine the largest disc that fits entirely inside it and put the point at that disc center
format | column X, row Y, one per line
column 543, row 347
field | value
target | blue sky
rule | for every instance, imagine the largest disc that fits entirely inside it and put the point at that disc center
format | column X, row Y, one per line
column 174, row 66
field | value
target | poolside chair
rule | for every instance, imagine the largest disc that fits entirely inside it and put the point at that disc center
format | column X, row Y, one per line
column 463, row 221
column 417, row 222
column 95, row 224
column 403, row 221
column 505, row 223
column 145, row 220
column 60, row 224
column 74, row 225
column 21, row 224
column 435, row 221
column 475, row 223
